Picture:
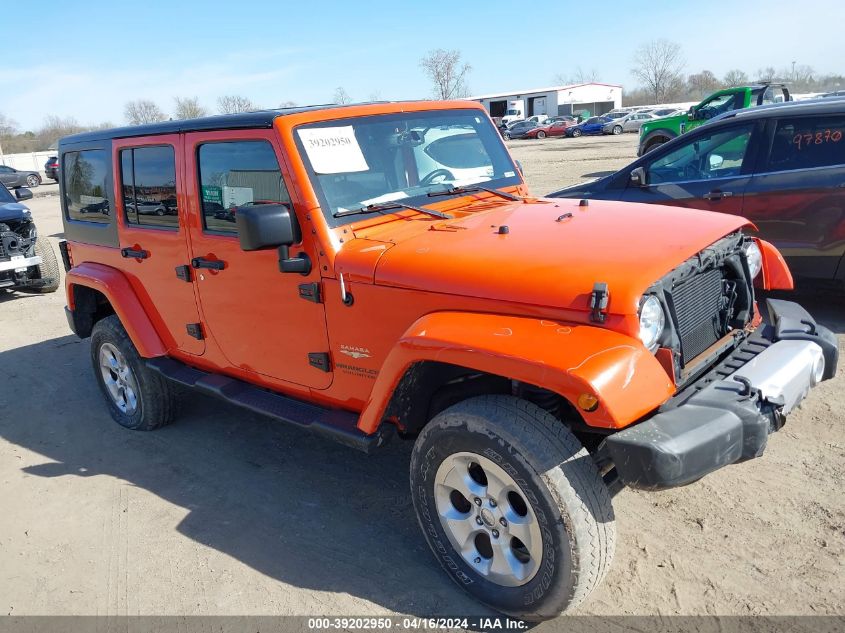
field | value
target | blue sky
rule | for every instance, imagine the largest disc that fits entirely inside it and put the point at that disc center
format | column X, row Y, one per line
column 86, row 59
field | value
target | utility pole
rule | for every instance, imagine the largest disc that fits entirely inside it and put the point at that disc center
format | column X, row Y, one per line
column 793, row 71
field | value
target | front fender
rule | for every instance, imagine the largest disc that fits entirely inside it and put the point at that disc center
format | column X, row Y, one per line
column 114, row 285
column 775, row 274
column 568, row 359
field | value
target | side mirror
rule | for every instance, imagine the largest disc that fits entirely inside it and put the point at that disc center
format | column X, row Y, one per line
column 691, row 112
column 22, row 193
column 638, row 177
column 272, row 226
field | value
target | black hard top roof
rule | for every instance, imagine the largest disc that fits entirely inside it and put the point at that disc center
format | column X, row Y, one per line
column 241, row 120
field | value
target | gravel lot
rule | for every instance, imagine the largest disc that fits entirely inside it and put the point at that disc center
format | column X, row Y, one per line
column 226, row 512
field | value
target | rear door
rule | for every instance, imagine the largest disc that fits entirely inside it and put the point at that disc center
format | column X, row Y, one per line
column 797, row 195
column 154, row 246
column 256, row 314
column 708, row 171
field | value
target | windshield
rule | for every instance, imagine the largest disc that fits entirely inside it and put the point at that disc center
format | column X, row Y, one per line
column 370, row 160
column 5, row 196
column 513, row 112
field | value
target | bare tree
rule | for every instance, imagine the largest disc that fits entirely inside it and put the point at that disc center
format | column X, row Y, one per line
column 7, row 125
column 447, row 73
column 341, row 96
column 767, row 74
column 658, row 65
column 734, row 78
column 142, row 111
column 189, row 108
column 702, row 84
column 580, row 76
column 374, row 96
column 230, row 104
column 287, row 104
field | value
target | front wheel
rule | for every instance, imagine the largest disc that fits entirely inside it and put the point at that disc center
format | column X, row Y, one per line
column 33, row 181
column 576, row 133
column 617, row 129
column 541, row 134
column 512, row 506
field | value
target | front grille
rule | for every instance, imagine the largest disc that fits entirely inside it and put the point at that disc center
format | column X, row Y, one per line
column 697, row 305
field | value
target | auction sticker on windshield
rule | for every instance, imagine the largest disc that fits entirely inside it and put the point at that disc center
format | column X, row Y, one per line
column 333, row 150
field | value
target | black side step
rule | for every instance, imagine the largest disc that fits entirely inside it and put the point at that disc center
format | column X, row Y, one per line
column 335, row 424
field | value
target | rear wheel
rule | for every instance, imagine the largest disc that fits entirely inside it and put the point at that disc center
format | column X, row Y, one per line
column 46, row 274
column 137, row 397
column 33, row 180
column 512, row 506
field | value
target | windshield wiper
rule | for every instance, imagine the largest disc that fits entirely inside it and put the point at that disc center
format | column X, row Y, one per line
column 387, row 206
column 471, row 189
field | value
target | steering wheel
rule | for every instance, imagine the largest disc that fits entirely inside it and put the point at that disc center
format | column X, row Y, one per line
column 437, row 173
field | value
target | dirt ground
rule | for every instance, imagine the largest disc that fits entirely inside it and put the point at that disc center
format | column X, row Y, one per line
column 226, row 512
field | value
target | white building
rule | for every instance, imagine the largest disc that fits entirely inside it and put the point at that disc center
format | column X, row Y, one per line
column 594, row 98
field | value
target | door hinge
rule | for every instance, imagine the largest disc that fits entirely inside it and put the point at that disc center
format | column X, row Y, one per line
column 184, row 273
column 598, row 302
column 311, row 292
column 320, row 360
column 195, row 330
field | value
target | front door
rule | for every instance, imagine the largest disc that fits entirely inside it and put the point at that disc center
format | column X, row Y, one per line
column 709, row 172
column 254, row 313
column 154, row 244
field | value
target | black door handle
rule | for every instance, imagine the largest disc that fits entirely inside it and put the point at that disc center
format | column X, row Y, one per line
column 717, row 195
column 201, row 262
column 131, row 253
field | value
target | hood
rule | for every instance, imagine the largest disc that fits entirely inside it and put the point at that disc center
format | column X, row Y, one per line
column 11, row 211
column 545, row 262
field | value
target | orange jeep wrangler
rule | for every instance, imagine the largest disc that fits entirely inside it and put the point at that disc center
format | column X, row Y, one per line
column 374, row 270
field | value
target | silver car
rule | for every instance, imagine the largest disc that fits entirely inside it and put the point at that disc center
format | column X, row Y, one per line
column 629, row 123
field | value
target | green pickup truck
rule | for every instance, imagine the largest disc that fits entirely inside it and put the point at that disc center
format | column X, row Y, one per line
column 659, row 131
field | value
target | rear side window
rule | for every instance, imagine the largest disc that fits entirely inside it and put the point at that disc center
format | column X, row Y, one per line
column 235, row 174
column 85, row 175
column 804, row 143
column 148, row 186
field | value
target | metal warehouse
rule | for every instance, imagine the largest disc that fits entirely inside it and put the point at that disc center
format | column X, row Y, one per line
column 592, row 98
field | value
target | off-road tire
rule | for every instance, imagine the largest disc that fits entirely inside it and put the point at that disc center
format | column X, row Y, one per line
column 48, row 269
column 158, row 399
column 559, row 479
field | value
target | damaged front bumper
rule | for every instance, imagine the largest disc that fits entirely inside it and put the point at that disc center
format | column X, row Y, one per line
column 726, row 416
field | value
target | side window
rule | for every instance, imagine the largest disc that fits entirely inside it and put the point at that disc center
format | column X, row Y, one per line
column 716, row 155
column 148, row 186
column 236, row 174
column 807, row 142
column 85, row 176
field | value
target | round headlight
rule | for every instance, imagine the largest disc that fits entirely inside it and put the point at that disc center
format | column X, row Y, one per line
column 754, row 258
column 652, row 322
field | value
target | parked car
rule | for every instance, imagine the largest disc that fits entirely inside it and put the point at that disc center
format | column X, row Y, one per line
column 550, row 128
column 614, row 114
column 631, row 122
column 519, row 129
column 655, row 133
column 781, row 166
column 593, row 125
column 664, row 112
column 12, row 177
column 532, row 350
column 51, row 168
column 539, row 119
column 27, row 260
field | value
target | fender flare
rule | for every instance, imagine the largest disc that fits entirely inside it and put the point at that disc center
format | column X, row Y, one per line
column 114, row 285
column 776, row 274
column 567, row 359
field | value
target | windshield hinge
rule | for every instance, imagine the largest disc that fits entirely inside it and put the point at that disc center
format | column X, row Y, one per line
column 310, row 292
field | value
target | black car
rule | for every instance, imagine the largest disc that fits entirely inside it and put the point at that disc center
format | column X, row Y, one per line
column 13, row 178
column 27, row 262
column 782, row 166
column 518, row 129
column 51, row 168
